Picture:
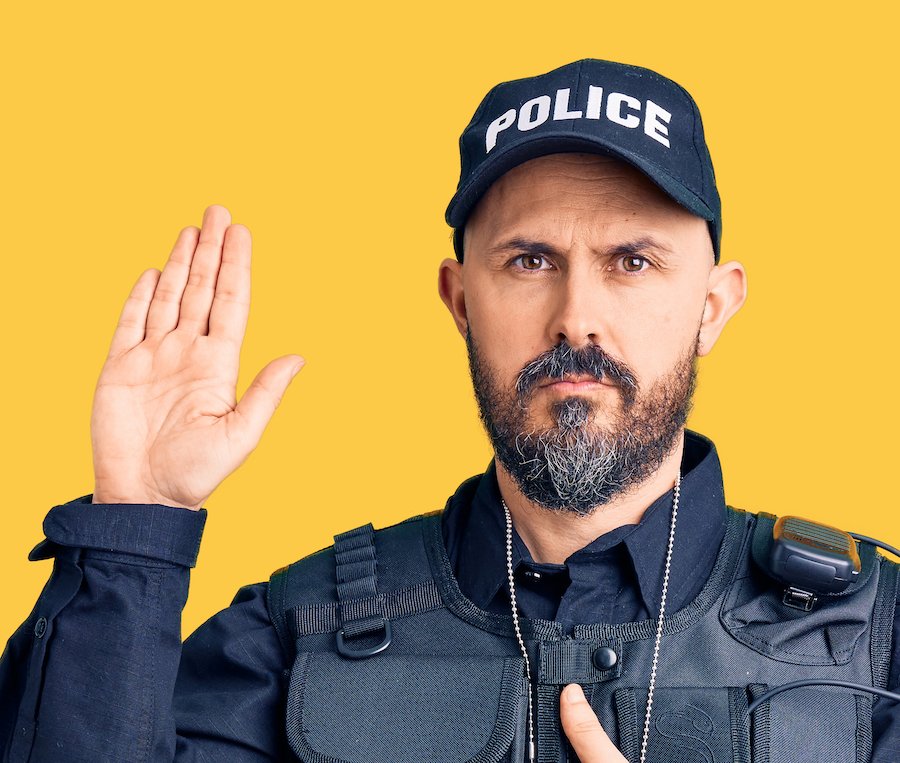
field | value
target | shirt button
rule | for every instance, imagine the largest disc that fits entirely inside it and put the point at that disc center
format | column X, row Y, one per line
column 604, row 658
column 40, row 627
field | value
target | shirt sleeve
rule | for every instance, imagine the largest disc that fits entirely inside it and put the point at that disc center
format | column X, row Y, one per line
column 98, row 673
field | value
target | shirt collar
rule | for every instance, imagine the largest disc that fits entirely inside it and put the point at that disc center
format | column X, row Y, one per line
column 475, row 533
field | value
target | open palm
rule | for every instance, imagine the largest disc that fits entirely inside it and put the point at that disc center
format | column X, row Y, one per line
column 165, row 425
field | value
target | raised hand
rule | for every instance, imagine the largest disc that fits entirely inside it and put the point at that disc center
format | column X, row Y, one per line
column 165, row 425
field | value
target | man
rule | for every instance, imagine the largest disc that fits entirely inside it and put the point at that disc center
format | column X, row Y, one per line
column 591, row 590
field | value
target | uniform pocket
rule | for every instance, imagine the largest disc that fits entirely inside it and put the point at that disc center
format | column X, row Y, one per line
column 405, row 708
column 711, row 725
column 754, row 614
column 814, row 725
column 687, row 724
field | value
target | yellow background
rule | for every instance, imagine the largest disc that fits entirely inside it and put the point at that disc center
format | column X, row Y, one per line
column 331, row 132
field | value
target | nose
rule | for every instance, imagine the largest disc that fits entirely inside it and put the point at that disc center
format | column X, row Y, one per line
column 577, row 310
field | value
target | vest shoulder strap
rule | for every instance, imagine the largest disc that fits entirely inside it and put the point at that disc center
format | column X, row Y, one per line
column 355, row 586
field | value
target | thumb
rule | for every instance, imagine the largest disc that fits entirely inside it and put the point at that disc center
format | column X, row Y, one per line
column 263, row 396
column 583, row 730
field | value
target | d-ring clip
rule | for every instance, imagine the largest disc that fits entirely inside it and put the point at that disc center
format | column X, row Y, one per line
column 356, row 654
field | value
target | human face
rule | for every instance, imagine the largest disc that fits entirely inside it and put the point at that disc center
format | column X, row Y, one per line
column 585, row 251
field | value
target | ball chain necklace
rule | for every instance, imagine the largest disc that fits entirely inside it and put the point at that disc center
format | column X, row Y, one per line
column 659, row 624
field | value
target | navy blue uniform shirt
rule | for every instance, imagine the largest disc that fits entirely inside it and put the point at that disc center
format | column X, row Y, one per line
column 98, row 673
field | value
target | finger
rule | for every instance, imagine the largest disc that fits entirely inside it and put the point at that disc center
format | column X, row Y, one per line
column 231, row 304
column 201, row 283
column 263, row 396
column 165, row 307
column 583, row 730
column 133, row 318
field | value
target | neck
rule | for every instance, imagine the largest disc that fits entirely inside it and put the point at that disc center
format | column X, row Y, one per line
column 552, row 536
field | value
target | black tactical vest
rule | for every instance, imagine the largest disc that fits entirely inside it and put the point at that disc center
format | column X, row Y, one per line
column 449, row 686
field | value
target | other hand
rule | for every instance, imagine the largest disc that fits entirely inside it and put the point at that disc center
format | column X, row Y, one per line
column 165, row 424
column 583, row 729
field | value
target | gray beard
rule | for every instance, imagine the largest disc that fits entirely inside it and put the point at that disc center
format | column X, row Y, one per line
column 573, row 465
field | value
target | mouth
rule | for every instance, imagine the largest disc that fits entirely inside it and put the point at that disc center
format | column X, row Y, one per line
column 575, row 383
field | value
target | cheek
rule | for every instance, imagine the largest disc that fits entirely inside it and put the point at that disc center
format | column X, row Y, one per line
column 506, row 331
column 653, row 340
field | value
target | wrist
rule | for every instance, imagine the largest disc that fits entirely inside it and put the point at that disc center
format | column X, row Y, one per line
column 101, row 495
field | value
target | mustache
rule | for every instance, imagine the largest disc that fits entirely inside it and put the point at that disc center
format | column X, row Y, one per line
column 563, row 359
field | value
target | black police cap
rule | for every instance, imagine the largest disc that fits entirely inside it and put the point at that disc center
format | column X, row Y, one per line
column 591, row 106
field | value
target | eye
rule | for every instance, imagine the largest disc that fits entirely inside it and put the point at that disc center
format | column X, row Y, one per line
column 634, row 263
column 532, row 262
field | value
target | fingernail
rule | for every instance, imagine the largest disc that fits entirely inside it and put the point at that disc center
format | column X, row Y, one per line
column 574, row 693
column 297, row 368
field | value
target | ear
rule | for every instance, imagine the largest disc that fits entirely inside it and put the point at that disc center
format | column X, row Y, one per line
column 726, row 292
column 450, row 287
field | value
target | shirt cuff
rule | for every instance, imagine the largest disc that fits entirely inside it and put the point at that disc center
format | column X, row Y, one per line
column 167, row 533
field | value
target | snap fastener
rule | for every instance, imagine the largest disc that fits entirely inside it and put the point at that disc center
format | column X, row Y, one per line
column 604, row 658
column 40, row 627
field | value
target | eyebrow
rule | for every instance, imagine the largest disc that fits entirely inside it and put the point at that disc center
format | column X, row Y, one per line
column 531, row 246
column 640, row 246
column 525, row 246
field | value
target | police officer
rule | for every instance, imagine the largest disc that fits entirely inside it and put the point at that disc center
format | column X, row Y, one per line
column 591, row 584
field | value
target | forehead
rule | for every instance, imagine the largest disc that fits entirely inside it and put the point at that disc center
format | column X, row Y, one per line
column 575, row 190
